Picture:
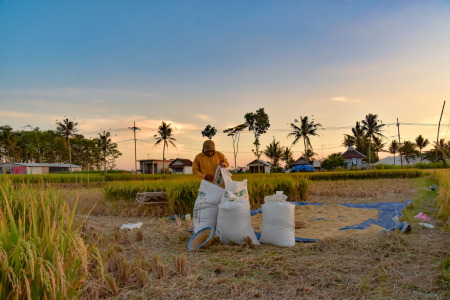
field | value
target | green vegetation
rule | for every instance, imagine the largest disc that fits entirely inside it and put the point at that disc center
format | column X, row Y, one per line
column 42, row 254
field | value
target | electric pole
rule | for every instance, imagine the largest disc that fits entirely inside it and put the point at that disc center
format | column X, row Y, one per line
column 399, row 143
column 134, row 128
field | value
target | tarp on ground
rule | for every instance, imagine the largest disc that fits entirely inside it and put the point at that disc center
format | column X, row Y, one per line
column 337, row 220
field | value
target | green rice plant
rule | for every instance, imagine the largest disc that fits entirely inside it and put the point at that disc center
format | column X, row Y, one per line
column 42, row 255
column 54, row 178
column 443, row 199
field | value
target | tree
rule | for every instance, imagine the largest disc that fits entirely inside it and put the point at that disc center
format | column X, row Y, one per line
column 349, row 141
column 304, row 130
column 67, row 128
column 409, row 151
column 421, row 143
column 393, row 148
column 378, row 145
column 209, row 132
column 359, row 134
column 309, row 155
column 235, row 133
column 8, row 141
column 372, row 127
column 258, row 123
column 334, row 161
column 287, row 156
column 164, row 136
column 107, row 147
column 274, row 152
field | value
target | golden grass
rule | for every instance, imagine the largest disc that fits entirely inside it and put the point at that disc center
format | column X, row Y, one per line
column 385, row 266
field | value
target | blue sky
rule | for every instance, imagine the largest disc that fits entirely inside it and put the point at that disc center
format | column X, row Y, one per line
column 193, row 63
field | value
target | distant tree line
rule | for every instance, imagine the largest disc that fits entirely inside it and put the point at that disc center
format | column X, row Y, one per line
column 62, row 145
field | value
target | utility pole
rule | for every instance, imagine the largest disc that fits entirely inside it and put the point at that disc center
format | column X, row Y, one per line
column 134, row 128
column 399, row 143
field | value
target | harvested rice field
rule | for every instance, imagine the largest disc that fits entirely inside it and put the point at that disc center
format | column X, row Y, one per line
column 153, row 262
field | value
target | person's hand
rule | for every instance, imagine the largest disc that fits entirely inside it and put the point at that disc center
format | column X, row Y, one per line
column 222, row 164
column 209, row 177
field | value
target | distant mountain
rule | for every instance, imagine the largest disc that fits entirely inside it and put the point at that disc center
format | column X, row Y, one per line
column 389, row 160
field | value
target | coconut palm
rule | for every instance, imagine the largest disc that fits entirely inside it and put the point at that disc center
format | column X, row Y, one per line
column 393, row 148
column 409, row 151
column 421, row 143
column 378, row 145
column 348, row 141
column 67, row 128
column 164, row 136
column 274, row 152
column 105, row 145
column 372, row 127
column 287, row 156
column 304, row 130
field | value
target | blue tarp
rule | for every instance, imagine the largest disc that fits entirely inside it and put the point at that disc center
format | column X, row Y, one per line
column 388, row 215
column 300, row 168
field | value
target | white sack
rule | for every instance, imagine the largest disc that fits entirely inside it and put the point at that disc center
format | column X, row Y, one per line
column 234, row 222
column 278, row 221
column 206, row 205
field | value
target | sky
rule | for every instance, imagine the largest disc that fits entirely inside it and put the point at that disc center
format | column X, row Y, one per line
column 107, row 64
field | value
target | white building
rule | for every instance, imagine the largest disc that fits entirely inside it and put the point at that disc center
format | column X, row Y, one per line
column 181, row 166
column 37, row 168
column 154, row 166
column 259, row 166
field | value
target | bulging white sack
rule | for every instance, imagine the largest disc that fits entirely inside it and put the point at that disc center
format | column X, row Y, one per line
column 234, row 222
column 278, row 221
column 206, row 205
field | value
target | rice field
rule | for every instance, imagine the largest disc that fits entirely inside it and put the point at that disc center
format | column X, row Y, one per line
column 78, row 250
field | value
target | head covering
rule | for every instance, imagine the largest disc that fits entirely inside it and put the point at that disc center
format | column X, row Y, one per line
column 208, row 145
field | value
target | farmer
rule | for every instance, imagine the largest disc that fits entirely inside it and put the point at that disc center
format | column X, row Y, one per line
column 205, row 163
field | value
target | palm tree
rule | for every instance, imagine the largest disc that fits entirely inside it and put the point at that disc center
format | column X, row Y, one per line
column 378, row 145
column 393, row 148
column 348, row 141
column 287, row 156
column 304, row 130
column 421, row 143
column 67, row 128
column 409, row 151
column 372, row 127
column 105, row 145
column 359, row 137
column 164, row 136
column 274, row 152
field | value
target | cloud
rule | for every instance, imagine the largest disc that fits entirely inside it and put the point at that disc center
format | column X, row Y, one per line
column 339, row 99
column 14, row 114
column 203, row 118
column 344, row 99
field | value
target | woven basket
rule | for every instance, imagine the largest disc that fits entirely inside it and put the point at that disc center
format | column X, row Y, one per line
column 202, row 238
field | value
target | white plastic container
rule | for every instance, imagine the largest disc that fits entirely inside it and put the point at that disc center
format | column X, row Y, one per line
column 278, row 221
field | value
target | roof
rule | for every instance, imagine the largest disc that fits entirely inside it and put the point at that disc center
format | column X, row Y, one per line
column 180, row 163
column 352, row 153
column 261, row 163
column 301, row 161
column 156, row 160
column 40, row 165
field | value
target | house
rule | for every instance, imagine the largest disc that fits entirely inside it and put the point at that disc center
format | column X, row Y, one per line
column 37, row 168
column 353, row 158
column 261, row 165
column 301, row 161
column 317, row 165
column 153, row 166
column 181, row 166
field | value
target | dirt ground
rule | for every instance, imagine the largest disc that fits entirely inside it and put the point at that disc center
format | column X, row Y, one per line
column 153, row 261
